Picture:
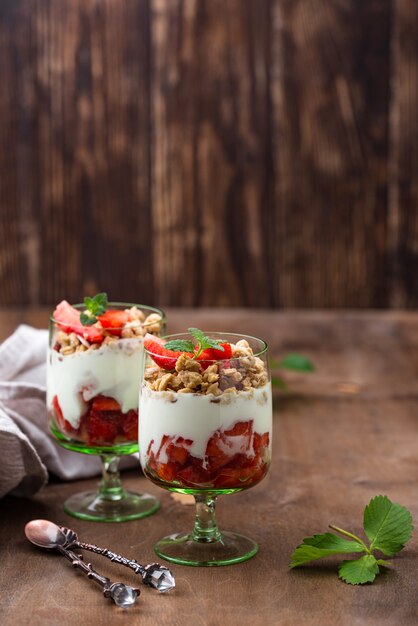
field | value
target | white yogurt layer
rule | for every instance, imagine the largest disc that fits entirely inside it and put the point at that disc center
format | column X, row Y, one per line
column 196, row 417
column 113, row 370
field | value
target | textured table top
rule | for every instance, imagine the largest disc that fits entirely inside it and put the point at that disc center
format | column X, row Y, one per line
column 343, row 434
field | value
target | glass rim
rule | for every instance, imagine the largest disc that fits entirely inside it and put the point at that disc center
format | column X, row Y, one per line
column 147, row 307
column 209, row 334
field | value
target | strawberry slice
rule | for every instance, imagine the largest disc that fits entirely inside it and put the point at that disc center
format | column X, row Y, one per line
column 67, row 319
column 166, row 359
column 212, row 354
column 105, row 403
column 114, row 321
column 64, row 424
column 130, row 425
column 102, row 430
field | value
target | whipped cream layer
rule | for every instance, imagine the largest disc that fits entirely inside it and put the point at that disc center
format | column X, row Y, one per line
column 113, row 370
column 197, row 416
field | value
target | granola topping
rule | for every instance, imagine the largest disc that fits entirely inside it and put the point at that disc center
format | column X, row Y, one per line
column 137, row 326
column 242, row 372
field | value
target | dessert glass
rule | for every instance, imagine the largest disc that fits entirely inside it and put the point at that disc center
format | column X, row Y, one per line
column 92, row 402
column 207, row 439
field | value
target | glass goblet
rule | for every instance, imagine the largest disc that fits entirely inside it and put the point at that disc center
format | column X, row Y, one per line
column 205, row 429
column 92, row 402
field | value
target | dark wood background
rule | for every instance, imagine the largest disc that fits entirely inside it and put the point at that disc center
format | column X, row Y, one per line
column 210, row 152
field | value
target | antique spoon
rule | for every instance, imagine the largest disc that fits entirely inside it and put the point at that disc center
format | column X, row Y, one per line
column 45, row 534
column 153, row 574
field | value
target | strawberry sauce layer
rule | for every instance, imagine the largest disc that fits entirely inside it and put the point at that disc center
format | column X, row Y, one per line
column 102, row 424
column 234, row 459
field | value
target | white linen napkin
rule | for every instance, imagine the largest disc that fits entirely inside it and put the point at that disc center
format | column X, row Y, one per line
column 27, row 449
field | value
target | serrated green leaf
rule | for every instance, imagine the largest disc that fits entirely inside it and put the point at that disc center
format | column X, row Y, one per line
column 297, row 363
column 87, row 320
column 359, row 571
column 96, row 305
column 180, row 345
column 197, row 334
column 203, row 342
column 387, row 525
column 278, row 382
column 319, row 546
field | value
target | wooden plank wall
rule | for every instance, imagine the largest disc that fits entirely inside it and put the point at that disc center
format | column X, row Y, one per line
column 210, row 152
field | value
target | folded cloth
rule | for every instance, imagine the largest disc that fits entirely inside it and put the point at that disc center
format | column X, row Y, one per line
column 27, row 449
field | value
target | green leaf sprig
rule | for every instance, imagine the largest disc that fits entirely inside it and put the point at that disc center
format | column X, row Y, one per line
column 202, row 342
column 387, row 525
column 294, row 362
column 95, row 306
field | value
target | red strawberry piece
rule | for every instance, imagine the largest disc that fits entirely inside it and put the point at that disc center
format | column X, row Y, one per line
column 102, row 428
column 194, row 476
column 261, row 443
column 167, row 471
column 230, row 478
column 212, row 354
column 240, row 428
column 218, row 451
column 67, row 319
column 177, row 454
column 240, row 436
column 114, row 321
column 64, row 424
column 165, row 440
column 166, row 359
column 130, row 425
column 104, row 403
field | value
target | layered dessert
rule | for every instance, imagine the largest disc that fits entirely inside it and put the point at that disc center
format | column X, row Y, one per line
column 95, row 362
column 206, row 414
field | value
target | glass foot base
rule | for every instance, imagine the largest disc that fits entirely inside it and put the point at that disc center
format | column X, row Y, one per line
column 89, row 505
column 228, row 549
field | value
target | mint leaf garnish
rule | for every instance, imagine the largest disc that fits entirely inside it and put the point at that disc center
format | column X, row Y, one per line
column 180, row 345
column 95, row 306
column 297, row 363
column 387, row 525
column 359, row 571
column 203, row 342
column 318, row 546
column 87, row 320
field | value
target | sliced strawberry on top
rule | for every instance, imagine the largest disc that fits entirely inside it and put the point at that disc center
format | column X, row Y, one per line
column 166, row 359
column 114, row 321
column 67, row 319
column 212, row 354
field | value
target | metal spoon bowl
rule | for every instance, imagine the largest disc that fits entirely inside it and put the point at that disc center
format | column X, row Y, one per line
column 45, row 534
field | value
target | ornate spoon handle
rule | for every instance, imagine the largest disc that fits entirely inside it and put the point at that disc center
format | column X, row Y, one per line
column 122, row 595
column 116, row 558
column 153, row 574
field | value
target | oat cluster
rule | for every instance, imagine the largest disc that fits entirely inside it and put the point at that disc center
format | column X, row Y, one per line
column 242, row 372
column 138, row 326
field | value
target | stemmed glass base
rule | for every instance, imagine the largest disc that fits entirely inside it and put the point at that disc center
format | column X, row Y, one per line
column 206, row 546
column 111, row 503
column 183, row 549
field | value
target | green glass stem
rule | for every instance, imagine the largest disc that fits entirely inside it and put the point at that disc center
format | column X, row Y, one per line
column 205, row 528
column 110, row 487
